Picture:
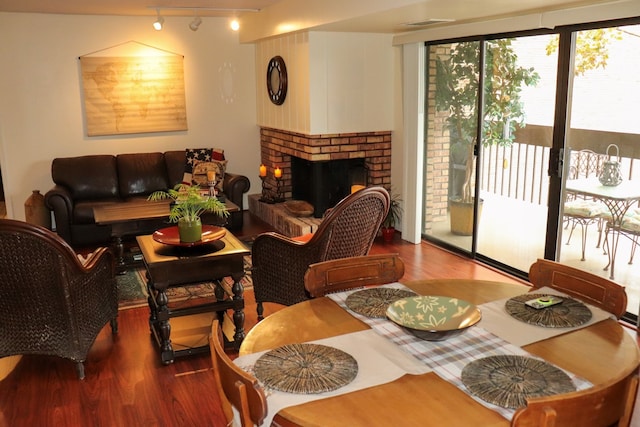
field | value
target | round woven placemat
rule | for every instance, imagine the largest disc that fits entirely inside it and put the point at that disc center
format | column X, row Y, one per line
column 374, row 302
column 570, row 313
column 508, row 380
column 306, row 368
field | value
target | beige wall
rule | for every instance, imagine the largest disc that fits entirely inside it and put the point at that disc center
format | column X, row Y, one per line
column 41, row 101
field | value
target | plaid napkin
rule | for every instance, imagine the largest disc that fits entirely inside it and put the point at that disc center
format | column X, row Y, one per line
column 447, row 358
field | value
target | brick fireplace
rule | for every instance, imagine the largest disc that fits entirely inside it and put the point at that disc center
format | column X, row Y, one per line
column 279, row 146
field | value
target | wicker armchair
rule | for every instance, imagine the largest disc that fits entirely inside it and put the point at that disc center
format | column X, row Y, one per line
column 50, row 302
column 348, row 230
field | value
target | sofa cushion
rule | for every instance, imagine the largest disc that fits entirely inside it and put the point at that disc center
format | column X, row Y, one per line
column 87, row 177
column 141, row 174
column 174, row 162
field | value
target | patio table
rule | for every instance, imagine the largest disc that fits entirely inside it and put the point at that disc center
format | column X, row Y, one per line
column 618, row 200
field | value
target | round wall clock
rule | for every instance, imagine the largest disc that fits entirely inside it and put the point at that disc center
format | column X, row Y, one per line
column 277, row 80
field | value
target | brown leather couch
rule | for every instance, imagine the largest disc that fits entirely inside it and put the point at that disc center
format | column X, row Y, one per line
column 84, row 182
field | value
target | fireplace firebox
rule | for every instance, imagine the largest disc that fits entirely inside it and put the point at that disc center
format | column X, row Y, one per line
column 324, row 183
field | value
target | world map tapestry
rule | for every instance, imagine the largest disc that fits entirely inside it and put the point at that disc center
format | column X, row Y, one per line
column 124, row 95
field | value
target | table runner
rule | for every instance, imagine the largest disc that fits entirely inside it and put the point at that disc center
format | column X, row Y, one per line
column 379, row 362
column 496, row 320
column 448, row 358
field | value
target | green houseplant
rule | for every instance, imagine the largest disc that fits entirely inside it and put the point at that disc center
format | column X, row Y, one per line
column 393, row 217
column 189, row 203
column 457, row 83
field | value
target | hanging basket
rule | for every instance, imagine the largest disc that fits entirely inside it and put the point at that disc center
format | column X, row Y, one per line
column 611, row 174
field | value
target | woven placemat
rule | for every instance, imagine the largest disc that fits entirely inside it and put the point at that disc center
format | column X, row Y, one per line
column 306, row 368
column 570, row 313
column 374, row 302
column 508, row 380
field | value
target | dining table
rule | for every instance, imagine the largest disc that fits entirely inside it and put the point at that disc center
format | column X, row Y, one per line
column 618, row 199
column 594, row 353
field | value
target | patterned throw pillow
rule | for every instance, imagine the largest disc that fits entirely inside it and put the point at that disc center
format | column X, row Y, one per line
column 196, row 155
column 200, row 169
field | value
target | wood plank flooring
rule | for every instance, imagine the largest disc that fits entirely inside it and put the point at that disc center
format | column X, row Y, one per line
column 126, row 385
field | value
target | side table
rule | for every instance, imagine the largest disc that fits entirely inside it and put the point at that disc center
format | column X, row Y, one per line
column 171, row 266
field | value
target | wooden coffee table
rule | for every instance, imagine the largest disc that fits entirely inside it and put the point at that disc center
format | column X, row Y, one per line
column 133, row 218
column 171, row 266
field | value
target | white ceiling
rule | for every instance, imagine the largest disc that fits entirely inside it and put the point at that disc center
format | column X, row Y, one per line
column 387, row 16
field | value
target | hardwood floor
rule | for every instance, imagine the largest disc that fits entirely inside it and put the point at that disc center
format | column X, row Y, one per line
column 126, row 385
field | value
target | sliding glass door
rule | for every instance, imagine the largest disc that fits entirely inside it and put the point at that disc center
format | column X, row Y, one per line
column 487, row 153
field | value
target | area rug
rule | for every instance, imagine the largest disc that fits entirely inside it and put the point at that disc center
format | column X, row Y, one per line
column 132, row 288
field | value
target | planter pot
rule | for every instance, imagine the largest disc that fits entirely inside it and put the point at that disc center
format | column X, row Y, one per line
column 387, row 234
column 461, row 215
column 189, row 231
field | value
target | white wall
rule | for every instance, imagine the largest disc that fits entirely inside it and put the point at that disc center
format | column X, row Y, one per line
column 337, row 83
column 41, row 101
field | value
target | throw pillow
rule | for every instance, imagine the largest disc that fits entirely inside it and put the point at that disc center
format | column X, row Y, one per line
column 194, row 155
column 200, row 170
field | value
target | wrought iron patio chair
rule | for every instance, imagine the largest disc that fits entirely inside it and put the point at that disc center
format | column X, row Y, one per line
column 582, row 211
column 348, row 230
column 51, row 303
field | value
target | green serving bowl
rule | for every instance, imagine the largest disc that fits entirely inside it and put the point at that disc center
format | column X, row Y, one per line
column 434, row 318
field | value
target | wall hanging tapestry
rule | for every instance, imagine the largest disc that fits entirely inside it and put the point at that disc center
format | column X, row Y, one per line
column 133, row 88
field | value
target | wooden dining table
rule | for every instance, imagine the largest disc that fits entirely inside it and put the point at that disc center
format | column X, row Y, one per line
column 598, row 353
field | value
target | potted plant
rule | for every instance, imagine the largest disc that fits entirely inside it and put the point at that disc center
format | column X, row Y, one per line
column 189, row 204
column 393, row 216
column 457, row 82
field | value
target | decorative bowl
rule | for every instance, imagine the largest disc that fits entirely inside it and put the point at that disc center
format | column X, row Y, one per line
column 434, row 318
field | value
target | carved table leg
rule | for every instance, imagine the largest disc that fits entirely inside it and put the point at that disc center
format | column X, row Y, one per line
column 164, row 329
column 119, row 252
column 238, row 311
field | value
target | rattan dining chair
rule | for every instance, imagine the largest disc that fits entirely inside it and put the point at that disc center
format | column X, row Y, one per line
column 584, row 211
column 585, row 286
column 51, row 303
column 355, row 272
column 236, row 388
column 603, row 406
column 348, row 230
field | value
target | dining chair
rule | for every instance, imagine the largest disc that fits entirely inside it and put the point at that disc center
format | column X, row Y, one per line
column 602, row 406
column 340, row 274
column 348, row 230
column 585, row 286
column 237, row 389
column 51, row 302
column 584, row 211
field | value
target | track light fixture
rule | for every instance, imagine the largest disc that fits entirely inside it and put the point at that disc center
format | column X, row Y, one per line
column 159, row 21
column 195, row 23
column 197, row 20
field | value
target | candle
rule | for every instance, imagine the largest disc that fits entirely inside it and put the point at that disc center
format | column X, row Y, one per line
column 278, row 173
column 211, row 175
column 263, row 170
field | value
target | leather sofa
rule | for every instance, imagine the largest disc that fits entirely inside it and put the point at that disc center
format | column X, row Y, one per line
column 87, row 181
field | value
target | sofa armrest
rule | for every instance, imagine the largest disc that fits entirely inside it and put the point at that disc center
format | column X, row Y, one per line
column 59, row 200
column 234, row 186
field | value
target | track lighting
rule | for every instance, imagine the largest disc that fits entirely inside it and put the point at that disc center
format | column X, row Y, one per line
column 195, row 23
column 159, row 21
